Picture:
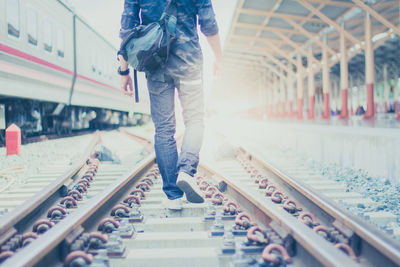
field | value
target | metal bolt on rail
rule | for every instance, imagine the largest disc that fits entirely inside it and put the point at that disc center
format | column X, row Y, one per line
column 143, row 186
column 218, row 198
column 263, row 183
column 292, row 206
column 27, row 238
column 278, row 197
column 56, row 213
column 256, row 240
column 230, row 211
column 280, row 259
column 308, row 219
column 5, row 255
column 210, row 191
column 203, row 185
column 78, row 258
column 270, row 190
column 97, row 241
column 41, row 226
column 243, row 222
column 108, row 225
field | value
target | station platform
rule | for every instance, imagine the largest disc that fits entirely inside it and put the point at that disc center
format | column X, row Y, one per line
column 380, row 121
column 358, row 145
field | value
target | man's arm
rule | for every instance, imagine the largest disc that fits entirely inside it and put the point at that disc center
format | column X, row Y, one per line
column 209, row 27
column 129, row 19
column 215, row 43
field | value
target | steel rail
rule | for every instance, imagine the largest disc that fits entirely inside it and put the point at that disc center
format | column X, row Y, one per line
column 373, row 237
column 324, row 252
column 72, row 225
column 308, row 243
column 18, row 218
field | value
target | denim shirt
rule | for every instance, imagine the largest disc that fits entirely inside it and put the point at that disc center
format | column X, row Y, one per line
column 185, row 59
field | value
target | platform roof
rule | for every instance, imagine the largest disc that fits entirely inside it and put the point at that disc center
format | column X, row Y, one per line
column 268, row 34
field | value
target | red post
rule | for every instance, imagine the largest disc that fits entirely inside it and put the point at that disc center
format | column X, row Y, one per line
column 344, row 75
column 396, row 108
column 344, row 114
column 13, row 140
column 300, row 109
column 369, row 67
column 326, row 84
column 370, row 101
column 311, row 106
column 327, row 112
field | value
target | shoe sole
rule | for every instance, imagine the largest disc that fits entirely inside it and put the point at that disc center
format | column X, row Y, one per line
column 191, row 195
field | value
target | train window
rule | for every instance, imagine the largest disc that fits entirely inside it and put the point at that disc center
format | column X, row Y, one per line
column 60, row 43
column 13, row 18
column 32, row 29
column 48, row 36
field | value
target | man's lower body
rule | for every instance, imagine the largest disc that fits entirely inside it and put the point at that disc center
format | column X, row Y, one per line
column 170, row 164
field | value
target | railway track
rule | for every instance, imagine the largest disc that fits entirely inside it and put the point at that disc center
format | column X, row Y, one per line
column 50, row 179
column 254, row 215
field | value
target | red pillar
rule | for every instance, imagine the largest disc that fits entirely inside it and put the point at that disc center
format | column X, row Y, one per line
column 327, row 112
column 325, row 79
column 311, row 108
column 369, row 67
column 344, row 114
column 300, row 87
column 344, row 76
column 300, row 109
column 397, row 110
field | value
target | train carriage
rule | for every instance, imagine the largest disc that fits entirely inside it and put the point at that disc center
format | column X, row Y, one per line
column 56, row 72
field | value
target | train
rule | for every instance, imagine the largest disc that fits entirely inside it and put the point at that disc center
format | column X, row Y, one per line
column 58, row 74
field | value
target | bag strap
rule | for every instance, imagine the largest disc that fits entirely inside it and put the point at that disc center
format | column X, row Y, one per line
column 135, row 80
column 170, row 9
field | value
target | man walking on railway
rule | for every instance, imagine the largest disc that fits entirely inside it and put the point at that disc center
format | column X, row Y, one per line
column 182, row 71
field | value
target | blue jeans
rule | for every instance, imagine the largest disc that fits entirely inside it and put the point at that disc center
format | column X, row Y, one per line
column 162, row 104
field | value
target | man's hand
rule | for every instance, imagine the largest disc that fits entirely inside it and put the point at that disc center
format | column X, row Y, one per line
column 218, row 66
column 216, row 47
column 126, row 80
column 126, row 85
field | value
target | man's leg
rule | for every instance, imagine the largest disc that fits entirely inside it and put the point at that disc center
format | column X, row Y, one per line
column 163, row 114
column 192, row 101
